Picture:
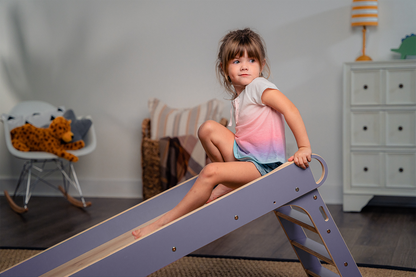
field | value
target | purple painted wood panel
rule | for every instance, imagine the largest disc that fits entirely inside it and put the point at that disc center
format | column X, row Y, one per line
column 206, row 224
column 189, row 233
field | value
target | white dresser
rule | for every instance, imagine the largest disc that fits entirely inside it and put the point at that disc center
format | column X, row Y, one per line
column 379, row 131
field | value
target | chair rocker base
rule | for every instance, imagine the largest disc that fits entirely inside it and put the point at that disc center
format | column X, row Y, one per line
column 14, row 206
column 74, row 201
column 21, row 210
column 31, row 171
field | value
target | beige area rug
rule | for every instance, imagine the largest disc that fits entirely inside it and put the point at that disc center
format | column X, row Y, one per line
column 200, row 266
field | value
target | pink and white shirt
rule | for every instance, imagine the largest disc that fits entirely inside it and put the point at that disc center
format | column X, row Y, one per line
column 260, row 130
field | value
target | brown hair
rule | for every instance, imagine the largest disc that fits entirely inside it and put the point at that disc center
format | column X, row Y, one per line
column 235, row 43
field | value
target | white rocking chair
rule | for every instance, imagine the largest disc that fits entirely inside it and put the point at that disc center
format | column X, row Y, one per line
column 35, row 168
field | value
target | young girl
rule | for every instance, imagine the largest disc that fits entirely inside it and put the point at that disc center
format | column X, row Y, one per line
column 258, row 145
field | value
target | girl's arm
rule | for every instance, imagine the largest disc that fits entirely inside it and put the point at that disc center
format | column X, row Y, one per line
column 279, row 102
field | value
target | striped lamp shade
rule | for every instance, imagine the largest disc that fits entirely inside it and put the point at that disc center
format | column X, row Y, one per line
column 364, row 13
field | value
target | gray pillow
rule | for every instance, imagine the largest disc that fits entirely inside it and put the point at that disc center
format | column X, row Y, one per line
column 79, row 127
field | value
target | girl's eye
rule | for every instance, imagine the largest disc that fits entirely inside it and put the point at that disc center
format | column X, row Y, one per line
column 252, row 60
column 236, row 62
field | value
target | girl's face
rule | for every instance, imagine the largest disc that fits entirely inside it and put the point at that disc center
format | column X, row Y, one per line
column 242, row 70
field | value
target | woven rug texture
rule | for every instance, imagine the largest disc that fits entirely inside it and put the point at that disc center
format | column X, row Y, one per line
column 207, row 267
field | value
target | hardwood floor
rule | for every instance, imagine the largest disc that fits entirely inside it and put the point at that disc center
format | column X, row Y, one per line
column 51, row 220
column 383, row 236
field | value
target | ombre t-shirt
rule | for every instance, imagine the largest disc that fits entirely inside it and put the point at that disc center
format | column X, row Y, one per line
column 260, row 130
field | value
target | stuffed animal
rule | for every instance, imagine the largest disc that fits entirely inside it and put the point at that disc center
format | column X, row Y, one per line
column 408, row 46
column 30, row 138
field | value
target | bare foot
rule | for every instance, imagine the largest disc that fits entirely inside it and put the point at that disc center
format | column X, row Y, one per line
column 219, row 191
column 146, row 230
column 137, row 233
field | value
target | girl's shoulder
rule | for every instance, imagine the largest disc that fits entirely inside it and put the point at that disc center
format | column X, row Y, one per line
column 260, row 84
column 254, row 91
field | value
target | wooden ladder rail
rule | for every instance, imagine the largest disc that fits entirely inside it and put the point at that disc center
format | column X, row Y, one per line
column 313, row 215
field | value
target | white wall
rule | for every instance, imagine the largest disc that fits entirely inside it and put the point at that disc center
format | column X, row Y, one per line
column 106, row 58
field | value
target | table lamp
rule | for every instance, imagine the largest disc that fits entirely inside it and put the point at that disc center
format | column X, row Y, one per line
column 364, row 13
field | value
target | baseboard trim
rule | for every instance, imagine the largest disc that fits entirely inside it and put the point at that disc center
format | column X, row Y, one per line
column 331, row 194
column 116, row 188
column 90, row 188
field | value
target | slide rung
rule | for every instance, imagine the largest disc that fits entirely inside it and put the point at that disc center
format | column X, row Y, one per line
column 315, row 248
column 323, row 272
column 298, row 218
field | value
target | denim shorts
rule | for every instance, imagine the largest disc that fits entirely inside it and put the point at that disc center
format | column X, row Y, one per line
column 266, row 168
column 262, row 168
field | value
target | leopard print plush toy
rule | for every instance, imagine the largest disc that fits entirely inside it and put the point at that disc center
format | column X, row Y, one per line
column 30, row 138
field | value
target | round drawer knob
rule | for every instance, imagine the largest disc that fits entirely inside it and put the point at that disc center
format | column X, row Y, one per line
column 365, row 128
column 365, row 169
column 365, row 87
column 401, row 86
column 401, row 169
column 400, row 128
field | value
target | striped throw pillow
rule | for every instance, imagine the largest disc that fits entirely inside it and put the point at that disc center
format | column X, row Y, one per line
column 169, row 122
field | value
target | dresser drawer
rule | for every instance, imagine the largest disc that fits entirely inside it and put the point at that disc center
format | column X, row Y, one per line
column 366, row 128
column 401, row 128
column 401, row 170
column 401, row 87
column 365, row 87
column 383, row 170
column 366, row 170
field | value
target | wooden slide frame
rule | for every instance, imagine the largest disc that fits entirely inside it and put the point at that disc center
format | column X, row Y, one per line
column 109, row 249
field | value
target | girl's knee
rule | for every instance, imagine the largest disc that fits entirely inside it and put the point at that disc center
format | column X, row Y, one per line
column 206, row 178
column 208, row 172
column 206, row 128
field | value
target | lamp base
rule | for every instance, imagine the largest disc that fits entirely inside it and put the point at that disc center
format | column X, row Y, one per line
column 363, row 58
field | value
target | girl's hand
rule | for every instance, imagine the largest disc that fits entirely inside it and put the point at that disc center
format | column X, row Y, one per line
column 302, row 157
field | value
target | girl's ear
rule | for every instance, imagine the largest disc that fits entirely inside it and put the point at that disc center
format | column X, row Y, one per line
column 261, row 67
column 223, row 71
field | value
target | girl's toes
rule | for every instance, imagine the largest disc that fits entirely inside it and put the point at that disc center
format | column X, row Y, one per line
column 136, row 234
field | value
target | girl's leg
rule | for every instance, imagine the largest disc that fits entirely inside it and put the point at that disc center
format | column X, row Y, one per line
column 232, row 175
column 218, row 143
column 219, row 191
